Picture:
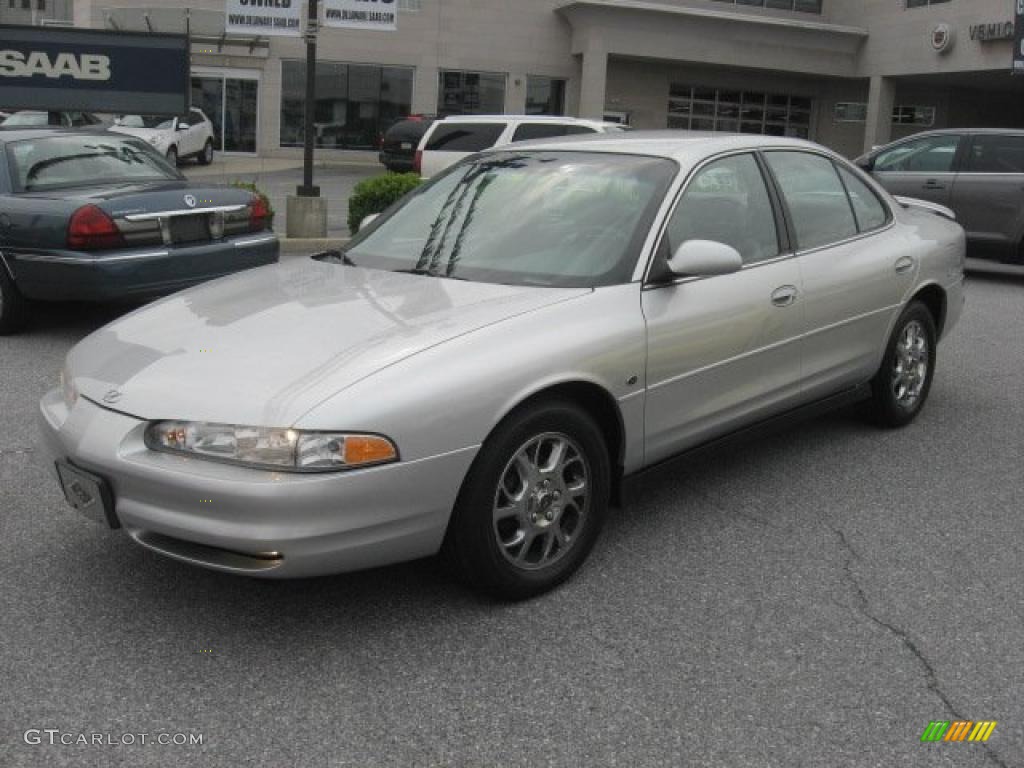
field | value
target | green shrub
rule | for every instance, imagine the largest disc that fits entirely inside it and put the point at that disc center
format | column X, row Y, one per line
column 250, row 186
column 376, row 195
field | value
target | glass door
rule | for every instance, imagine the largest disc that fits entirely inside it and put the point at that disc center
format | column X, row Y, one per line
column 232, row 104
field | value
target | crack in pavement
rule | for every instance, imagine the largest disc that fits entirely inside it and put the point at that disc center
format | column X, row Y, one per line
column 864, row 608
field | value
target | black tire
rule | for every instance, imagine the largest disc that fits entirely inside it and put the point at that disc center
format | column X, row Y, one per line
column 472, row 544
column 172, row 156
column 13, row 308
column 895, row 377
column 206, row 156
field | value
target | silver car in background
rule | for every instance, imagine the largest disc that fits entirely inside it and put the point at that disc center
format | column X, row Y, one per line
column 978, row 173
column 488, row 363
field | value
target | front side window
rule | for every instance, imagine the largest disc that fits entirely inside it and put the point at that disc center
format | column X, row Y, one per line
column 932, row 154
column 996, row 154
column 815, row 196
column 542, row 218
column 871, row 213
column 727, row 202
column 79, row 160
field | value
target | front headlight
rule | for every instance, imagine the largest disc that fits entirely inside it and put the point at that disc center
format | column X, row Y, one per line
column 271, row 448
column 156, row 140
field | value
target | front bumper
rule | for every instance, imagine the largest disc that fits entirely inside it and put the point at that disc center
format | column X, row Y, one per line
column 261, row 523
column 136, row 273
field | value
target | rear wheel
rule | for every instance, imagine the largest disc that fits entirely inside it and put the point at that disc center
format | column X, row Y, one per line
column 13, row 309
column 206, row 156
column 901, row 386
column 172, row 156
column 533, row 503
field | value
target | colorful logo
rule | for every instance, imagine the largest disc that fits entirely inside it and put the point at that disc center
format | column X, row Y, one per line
column 958, row 730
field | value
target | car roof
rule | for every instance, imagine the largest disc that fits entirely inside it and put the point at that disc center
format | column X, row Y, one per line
column 675, row 145
column 522, row 118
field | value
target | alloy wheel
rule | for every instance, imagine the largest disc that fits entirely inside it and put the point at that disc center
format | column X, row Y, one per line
column 910, row 365
column 542, row 501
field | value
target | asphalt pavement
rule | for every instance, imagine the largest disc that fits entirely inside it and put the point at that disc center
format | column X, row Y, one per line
column 814, row 598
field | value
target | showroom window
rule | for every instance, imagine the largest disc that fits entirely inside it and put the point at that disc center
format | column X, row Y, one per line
column 920, row 3
column 733, row 111
column 355, row 103
column 545, row 96
column 471, row 93
column 808, row 6
column 857, row 112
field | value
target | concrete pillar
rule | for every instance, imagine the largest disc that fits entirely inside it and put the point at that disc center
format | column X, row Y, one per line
column 306, row 217
column 881, row 100
column 593, row 84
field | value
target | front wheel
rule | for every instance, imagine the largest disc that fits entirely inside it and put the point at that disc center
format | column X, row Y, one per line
column 172, row 157
column 206, row 157
column 533, row 503
column 901, row 386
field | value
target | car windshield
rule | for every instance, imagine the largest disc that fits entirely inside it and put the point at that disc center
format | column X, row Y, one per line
column 523, row 218
column 159, row 122
column 69, row 161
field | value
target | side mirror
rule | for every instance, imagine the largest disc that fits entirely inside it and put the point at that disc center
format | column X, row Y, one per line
column 182, row 127
column 368, row 220
column 704, row 258
column 865, row 163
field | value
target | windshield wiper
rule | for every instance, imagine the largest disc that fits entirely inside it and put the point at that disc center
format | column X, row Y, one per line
column 335, row 257
column 427, row 273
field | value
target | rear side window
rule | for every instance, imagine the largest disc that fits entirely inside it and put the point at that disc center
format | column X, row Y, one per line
column 996, row 154
column 465, row 137
column 815, row 197
column 869, row 210
column 528, row 131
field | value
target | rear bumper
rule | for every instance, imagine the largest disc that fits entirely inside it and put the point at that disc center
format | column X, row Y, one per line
column 397, row 161
column 135, row 273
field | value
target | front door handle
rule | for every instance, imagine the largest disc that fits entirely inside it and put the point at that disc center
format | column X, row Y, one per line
column 904, row 265
column 934, row 185
column 784, row 296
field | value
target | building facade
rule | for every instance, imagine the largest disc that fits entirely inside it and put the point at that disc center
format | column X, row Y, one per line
column 850, row 74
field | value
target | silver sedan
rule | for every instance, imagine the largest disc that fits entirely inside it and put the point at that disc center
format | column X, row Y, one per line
column 486, row 366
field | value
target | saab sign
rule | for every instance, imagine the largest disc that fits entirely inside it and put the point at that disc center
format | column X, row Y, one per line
column 361, row 14
column 56, row 70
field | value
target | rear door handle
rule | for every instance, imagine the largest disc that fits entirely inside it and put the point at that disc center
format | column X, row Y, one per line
column 933, row 184
column 904, row 264
column 784, row 296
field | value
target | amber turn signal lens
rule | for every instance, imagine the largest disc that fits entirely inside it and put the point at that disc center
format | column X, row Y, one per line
column 368, row 449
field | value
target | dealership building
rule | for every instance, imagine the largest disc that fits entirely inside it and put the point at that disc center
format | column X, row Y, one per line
column 847, row 73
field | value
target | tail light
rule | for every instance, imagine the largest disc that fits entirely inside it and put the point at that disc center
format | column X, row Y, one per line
column 417, row 163
column 91, row 228
column 259, row 215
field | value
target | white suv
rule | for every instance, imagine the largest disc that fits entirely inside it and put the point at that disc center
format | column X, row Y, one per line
column 188, row 135
column 453, row 138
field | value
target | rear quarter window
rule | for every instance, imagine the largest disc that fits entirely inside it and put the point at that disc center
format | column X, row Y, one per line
column 465, row 137
column 528, row 131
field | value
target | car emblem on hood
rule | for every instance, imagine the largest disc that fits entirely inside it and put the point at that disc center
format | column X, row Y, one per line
column 190, row 201
column 112, row 396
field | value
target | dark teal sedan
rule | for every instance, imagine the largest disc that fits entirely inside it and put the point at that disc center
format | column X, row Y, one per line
column 93, row 216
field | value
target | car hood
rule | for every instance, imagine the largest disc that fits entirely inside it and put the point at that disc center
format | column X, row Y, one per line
column 265, row 346
column 142, row 133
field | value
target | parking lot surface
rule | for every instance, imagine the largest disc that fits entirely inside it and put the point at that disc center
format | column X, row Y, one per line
column 813, row 598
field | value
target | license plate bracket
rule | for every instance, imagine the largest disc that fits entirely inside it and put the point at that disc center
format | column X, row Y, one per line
column 189, row 229
column 88, row 494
